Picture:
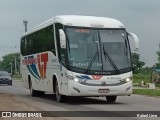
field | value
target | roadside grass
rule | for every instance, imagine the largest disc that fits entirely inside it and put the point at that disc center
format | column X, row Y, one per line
column 137, row 78
column 150, row 92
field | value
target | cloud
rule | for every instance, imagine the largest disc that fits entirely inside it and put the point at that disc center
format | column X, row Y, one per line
column 139, row 16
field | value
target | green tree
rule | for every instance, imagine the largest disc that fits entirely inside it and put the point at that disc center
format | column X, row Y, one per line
column 146, row 70
column 137, row 65
column 9, row 59
column 157, row 65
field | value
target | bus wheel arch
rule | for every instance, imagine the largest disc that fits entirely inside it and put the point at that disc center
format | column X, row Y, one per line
column 29, row 81
column 33, row 92
column 59, row 97
column 30, row 86
column 54, row 79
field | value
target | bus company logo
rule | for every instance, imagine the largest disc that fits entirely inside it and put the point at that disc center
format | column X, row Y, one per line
column 96, row 77
column 41, row 61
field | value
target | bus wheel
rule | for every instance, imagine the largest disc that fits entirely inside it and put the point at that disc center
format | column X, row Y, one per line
column 59, row 97
column 111, row 99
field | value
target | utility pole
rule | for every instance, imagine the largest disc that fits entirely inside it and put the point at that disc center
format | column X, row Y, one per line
column 25, row 22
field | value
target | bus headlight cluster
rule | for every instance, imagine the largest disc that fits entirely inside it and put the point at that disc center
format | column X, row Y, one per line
column 127, row 79
column 79, row 80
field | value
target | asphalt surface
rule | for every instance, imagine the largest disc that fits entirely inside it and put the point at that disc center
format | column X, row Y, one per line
column 123, row 103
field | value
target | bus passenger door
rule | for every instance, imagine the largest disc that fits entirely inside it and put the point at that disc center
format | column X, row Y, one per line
column 62, row 58
column 63, row 71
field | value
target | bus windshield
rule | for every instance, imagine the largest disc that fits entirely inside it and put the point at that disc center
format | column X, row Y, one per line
column 98, row 49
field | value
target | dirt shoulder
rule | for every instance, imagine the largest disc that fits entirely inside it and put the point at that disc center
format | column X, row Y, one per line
column 10, row 102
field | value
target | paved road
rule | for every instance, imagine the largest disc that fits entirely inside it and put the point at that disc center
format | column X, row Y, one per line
column 48, row 103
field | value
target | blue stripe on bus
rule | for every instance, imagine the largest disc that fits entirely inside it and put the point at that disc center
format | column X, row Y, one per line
column 34, row 69
column 84, row 77
column 29, row 69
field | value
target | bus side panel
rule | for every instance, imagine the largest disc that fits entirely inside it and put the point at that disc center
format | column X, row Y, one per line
column 52, row 69
column 24, row 73
column 41, row 69
column 25, row 78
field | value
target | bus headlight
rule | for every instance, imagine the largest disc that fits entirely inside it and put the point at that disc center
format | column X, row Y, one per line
column 76, row 79
column 128, row 79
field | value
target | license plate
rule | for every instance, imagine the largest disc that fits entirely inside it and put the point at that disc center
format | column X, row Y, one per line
column 103, row 91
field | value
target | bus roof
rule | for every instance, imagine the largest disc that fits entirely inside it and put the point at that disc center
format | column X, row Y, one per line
column 78, row 20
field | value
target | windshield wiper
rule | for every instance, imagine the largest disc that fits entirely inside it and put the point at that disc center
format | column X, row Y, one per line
column 91, row 63
column 108, row 57
column 93, row 59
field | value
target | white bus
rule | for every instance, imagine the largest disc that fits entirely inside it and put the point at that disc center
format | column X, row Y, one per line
column 78, row 56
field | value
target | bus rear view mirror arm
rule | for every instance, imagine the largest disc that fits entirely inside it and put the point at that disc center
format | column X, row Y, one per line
column 136, row 40
column 62, row 37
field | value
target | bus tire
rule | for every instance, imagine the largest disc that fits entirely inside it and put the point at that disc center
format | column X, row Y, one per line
column 111, row 99
column 60, row 98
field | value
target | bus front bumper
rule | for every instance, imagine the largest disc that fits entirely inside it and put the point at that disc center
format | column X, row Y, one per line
column 77, row 89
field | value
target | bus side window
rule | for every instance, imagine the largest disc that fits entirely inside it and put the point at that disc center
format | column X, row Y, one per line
column 48, row 40
column 23, row 48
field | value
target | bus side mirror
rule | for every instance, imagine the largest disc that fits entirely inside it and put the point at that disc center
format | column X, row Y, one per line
column 136, row 40
column 62, row 37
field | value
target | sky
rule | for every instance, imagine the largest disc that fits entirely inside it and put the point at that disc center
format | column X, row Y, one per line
column 141, row 17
